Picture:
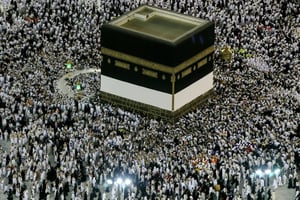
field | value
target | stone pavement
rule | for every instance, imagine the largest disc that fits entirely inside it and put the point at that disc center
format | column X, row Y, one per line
column 283, row 193
column 62, row 85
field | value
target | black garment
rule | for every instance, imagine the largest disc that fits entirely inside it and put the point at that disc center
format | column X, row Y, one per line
column 99, row 196
column 10, row 177
column 85, row 197
column 10, row 195
column 269, row 194
column 66, row 189
column 249, row 197
column 290, row 182
column 260, row 195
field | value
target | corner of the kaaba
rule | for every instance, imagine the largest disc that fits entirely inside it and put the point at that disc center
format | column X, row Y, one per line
column 197, row 103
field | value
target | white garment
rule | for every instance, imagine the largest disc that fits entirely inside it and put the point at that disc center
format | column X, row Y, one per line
column 2, row 185
column 279, row 181
column 273, row 196
column 284, row 179
column 275, row 184
column 25, row 196
column 262, row 182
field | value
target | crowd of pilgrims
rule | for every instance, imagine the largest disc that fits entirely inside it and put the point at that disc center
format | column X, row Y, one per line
column 58, row 148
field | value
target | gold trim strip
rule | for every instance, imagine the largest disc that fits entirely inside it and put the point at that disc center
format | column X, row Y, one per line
column 201, row 63
column 150, row 73
column 121, row 64
column 186, row 72
column 157, row 66
column 195, row 58
column 136, row 60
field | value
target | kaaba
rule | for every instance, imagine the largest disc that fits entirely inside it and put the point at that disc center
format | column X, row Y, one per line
column 156, row 61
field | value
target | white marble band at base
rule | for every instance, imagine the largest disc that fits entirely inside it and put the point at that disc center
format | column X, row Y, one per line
column 193, row 91
column 136, row 93
column 156, row 98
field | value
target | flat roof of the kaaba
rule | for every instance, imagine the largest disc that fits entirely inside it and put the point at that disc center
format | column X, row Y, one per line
column 157, row 35
column 159, row 23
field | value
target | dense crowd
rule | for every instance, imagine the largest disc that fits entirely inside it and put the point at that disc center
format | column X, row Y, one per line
column 58, row 148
